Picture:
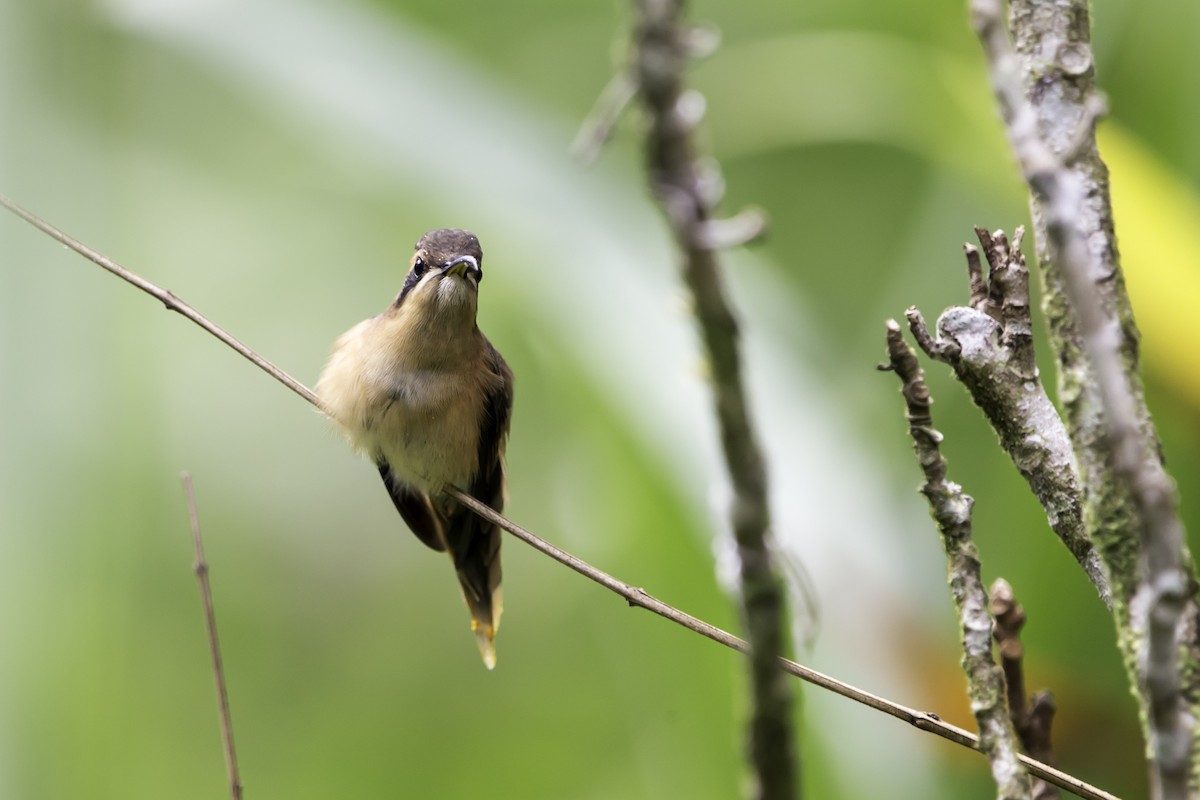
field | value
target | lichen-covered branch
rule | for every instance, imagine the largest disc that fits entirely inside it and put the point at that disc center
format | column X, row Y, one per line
column 1044, row 81
column 684, row 189
column 990, row 348
column 951, row 509
column 1032, row 718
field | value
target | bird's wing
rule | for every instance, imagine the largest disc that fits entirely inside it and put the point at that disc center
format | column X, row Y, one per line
column 474, row 543
column 414, row 507
column 488, row 485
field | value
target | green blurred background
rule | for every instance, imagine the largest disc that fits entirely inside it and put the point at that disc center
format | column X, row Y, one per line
column 272, row 161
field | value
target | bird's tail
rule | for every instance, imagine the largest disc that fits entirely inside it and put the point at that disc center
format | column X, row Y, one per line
column 475, row 547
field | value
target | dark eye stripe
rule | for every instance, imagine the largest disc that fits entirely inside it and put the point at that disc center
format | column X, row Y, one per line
column 414, row 277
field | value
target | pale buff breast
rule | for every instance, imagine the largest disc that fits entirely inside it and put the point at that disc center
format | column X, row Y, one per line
column 428, row 429
column 424, row 420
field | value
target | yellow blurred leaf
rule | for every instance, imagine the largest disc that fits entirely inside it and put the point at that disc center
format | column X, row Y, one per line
column 1157, row 216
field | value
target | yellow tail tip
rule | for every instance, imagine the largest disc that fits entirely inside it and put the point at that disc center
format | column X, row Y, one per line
column 485, row 630
column 487, row 648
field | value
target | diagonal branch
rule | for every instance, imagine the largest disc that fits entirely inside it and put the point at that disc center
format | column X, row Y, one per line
column 951, row 509
column 922, row 720
column 166, row 297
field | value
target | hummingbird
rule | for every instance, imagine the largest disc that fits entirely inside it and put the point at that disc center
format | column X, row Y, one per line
column 420, row 391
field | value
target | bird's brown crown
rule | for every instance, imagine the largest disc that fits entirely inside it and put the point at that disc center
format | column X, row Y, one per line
column 446, row 244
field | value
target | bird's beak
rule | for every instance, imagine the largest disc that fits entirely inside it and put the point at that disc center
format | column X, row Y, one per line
column 462, row 266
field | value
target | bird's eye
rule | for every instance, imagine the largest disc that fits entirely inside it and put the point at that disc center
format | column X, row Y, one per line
column 419, row 266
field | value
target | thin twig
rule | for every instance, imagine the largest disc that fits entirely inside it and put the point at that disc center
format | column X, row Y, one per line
column 951, row 509
column 684, row 190
column 921, row 720
column 1158, row 592
column 598, row 127
column 1032, row 719
column 166, row 297
column 200, row 567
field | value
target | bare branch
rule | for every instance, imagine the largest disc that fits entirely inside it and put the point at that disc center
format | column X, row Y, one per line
column 1031, row 719
column 166, row 297
column 922, row 720
column 687, row 189
column 990, row 348
column 602, row 120
column 1115, row 443
column 200, row 567
column 951, row 508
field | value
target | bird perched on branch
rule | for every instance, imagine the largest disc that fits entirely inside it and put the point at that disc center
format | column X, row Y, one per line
column 420, row 391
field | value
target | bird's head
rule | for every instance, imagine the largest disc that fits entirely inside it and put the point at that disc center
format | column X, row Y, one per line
column 444, row 274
